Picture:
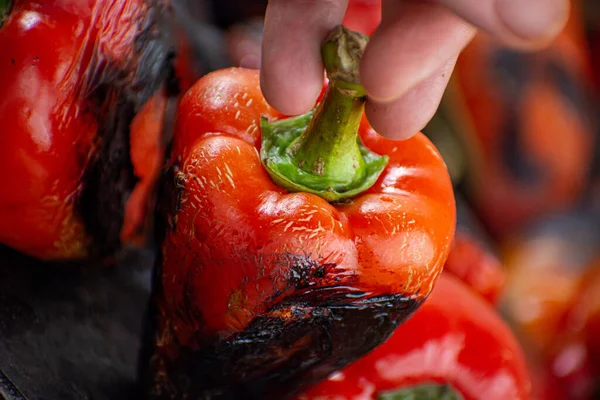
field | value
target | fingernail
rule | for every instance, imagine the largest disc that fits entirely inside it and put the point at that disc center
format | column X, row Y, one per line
column 533, row 19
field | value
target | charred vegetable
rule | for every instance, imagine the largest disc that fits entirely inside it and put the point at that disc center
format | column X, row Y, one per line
column 290, row 247
column 74, row 76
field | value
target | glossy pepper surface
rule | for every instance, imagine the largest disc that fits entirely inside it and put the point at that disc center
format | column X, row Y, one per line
column 477, row 267
column 262, row 290
column 455, row 347
column 74, row 73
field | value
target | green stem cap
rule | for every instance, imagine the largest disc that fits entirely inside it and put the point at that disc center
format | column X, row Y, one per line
column 320, row 152
column 423, row 392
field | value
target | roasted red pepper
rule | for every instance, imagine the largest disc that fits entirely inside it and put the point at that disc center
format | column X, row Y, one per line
column 550, row 301
column 455, row 347
column 74, row 75
column 527, row 120
column 476, row 267
column 266, row 287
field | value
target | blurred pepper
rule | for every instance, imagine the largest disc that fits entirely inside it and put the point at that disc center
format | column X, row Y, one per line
column 527, row 121
column 74, row 75
column 479, row 269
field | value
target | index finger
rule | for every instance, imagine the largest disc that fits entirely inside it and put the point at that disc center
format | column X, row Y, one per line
column 291, row 68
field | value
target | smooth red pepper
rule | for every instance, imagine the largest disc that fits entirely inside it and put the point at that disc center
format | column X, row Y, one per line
column 74, row 73
column 476, row 267
column 277, row 288
column 455, row 339
column 363, row 16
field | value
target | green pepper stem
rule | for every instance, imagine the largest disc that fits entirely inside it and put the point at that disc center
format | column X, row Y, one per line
column 326, row 157
column 329, row 146
column 423, row 392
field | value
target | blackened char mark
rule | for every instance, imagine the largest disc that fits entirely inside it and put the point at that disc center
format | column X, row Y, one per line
column 515, row 155
column 108, row 181
column 578, row 98
column 298, row 343
column 572, row 90
column 119, row 93
column 513, row 70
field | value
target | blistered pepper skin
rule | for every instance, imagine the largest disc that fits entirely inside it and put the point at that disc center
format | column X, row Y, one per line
column 71, row 74
column 261, row 291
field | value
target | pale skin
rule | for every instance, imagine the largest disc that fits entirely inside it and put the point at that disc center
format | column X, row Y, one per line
column 409, row 59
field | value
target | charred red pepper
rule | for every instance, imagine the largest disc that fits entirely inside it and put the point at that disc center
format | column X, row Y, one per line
column 550, row 300
column 455, row 347
column 527, row 121
column 74, row 75
column 263, row 285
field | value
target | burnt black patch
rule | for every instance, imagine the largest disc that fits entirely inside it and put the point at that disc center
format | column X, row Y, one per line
column 515, row 155
column 571, row 88
column 118, row 92
column 513, row 70
column 298, row 343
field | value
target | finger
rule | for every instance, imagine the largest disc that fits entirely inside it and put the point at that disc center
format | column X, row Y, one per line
column 412, row 42
column 292, row 71
column 520, row 23
column 410, row 113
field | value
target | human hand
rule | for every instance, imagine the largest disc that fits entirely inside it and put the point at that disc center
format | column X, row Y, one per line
column 410, row 58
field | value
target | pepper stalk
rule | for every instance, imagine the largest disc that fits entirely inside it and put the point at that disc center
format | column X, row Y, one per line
column 320, row 152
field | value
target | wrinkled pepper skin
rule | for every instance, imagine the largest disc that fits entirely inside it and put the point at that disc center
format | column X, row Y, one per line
column 74, row 74
column 527, row 121
column 456, row 338
column 260, row 292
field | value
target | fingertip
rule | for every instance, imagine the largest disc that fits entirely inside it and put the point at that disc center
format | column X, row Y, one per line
column 409, row 47
column 534, row 21
column 394, row 122
column 291, row 74
column 281, row 90
column 405, row 117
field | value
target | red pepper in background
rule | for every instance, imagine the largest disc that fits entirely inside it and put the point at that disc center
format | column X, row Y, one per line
column 74, row 74
column 455, row 345
column 264, row 286
column 591, row 13
column 527, row 122
column 548, row 300
column 546, row 267
column 363, row 16
column 479, row 269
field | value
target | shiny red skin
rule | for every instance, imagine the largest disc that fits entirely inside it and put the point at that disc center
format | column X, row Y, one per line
column 454, row 338
column 231, row 217
column 476, row 267
column 363, row 16
column 50, row 53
